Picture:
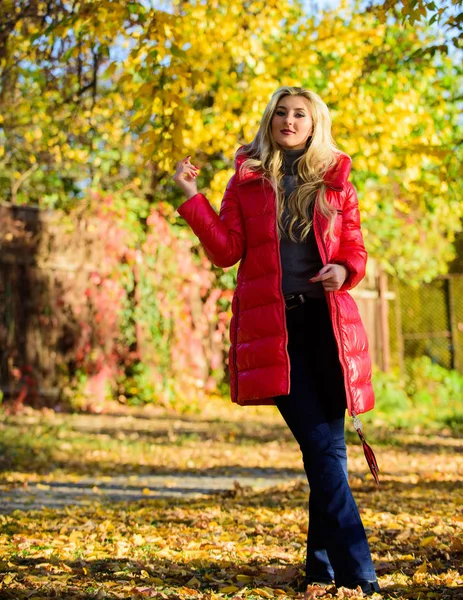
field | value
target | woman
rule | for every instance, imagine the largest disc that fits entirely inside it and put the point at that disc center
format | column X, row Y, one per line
column 297, row 341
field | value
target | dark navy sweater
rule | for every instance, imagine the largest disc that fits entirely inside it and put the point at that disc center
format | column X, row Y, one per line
column 299, row 260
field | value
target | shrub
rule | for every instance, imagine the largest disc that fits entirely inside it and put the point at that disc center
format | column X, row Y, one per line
column 428, row 395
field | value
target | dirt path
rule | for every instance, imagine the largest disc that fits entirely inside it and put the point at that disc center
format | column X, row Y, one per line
column 86, row 491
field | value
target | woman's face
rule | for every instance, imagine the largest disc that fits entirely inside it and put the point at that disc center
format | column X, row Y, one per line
column 292, row 122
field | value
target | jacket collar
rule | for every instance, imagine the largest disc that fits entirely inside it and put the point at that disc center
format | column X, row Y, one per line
column 335, row 178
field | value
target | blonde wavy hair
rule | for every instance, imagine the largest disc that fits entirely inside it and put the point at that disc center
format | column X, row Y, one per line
column 265, row 155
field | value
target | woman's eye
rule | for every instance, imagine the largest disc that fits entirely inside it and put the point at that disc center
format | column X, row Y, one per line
column 282, row 114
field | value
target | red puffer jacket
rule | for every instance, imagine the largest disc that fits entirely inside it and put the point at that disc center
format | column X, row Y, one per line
column 246, row 230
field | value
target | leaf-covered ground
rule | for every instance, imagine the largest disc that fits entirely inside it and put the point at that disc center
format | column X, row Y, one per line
column 237, row 544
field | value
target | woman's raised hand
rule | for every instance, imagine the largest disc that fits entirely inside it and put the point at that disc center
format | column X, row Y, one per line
column 185, row 177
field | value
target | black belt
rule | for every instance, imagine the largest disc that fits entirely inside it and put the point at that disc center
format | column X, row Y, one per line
column 293, row 300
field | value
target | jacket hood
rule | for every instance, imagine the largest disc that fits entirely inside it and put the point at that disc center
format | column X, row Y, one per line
column 335, row 178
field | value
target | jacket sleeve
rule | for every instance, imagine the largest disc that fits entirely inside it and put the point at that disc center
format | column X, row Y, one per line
column 221, row 235
column 352, row 253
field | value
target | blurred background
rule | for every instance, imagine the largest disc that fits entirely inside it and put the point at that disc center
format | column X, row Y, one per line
column 107, row 298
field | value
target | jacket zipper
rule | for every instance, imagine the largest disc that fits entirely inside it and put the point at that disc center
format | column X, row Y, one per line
column 334, row 301
column 280, row 277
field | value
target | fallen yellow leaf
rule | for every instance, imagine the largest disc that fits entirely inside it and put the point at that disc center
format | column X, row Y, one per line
column 263, row 592
column 8, row 579
column 423, row 568
column 138, row 539
column 244, row 578
column 42, row 486
column 194, row 582
column 229, row 589
column 428, row 541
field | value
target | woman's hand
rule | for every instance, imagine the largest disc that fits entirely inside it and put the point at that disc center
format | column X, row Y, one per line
column 332, row 276
column 185, row 177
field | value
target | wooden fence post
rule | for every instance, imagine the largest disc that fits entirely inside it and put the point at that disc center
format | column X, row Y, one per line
column 398, row 325
column 450, row 302
column 384, row 320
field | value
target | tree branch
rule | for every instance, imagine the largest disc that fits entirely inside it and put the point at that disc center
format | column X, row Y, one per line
column 15, row 185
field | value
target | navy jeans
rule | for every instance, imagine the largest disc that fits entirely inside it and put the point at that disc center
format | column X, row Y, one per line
column 337, row 547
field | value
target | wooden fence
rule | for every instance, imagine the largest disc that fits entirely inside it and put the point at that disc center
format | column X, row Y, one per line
column 36, row 330
column 429, row 321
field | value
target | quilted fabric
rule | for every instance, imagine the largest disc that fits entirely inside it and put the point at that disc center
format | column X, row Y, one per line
column 246, row 230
